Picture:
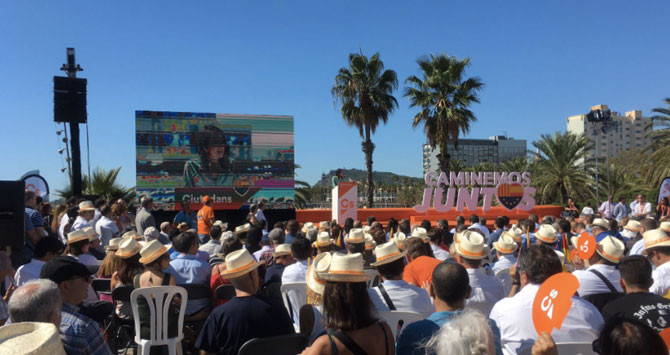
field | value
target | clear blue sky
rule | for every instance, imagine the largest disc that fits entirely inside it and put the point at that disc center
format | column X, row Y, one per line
column 540, row 61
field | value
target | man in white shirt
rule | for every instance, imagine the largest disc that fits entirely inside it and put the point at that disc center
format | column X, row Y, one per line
column 640, row 208
column 607, row 208
column 301, row 249
column 486, row 289
column 638, row 245
column 587, row 210
column 86, row 212
column 213, row 245
column 513, row 315
column 105, row 227
column 435, row 239
column 474, row 223
column 601, row 264
column 260, row 216
column 394, row 293
column 657, row 243
column 505, row 249
column 45, row 250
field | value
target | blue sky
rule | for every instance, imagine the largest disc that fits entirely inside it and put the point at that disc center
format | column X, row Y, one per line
column 541, row 61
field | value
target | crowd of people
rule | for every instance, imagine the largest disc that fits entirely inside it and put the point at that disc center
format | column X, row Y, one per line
column 472, row 286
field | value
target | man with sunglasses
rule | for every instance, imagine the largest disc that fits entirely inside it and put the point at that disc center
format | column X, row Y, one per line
column 657, row 244
column 79, row 333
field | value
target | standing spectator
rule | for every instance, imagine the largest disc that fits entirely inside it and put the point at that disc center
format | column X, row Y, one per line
column 186, row 215
column 213, row 246
column 246, row 316
column 606, row 209
column 83, row 220
column 641, row 208
column 260, row 215
column 106, row 227
column 657, row 250
column 205, row 219
column 38, row 300
column 187, row 269
column 164, row 237
column 34, row 216
column 513, row 315
column 79, row 334
column 5, row 270
column 144, row 218
column 45, row 250
column 620, row 210
column 587, row 210
column 120, row 215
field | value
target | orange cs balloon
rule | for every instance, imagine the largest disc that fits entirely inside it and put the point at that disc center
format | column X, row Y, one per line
column 552, row 301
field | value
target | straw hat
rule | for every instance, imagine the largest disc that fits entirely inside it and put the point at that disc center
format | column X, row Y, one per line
column 611, row 249
column 323, row 239
column 356, row 236
column 320, row 265
column 183, row 226
column 114, row 244
column 152, row 251
column 516, row 233
column 601, row 222
column 30, row 338
column 128, row 248
column 243, row 228
column 505, row 244
column 323, row 225
column 471, row 245
column 131, row 234
column 420, row 232
column 281, row 250
column 90, row 232
column 665, row 226
column 366, row 229
column 151, row 233
column 369, row 242
column 220, row 224
column 86, row 206
column 399, row 239
column 387, row 253
column 345, row 268
column 632, row 225
column 76, row 236
column 655, row 238
column 307, row 226
column 547, row 233
column 239, row 263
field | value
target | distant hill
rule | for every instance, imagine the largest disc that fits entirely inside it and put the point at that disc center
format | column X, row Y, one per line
column 379, row 177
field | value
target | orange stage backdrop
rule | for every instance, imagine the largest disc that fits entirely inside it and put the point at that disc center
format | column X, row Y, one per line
column 384, row 214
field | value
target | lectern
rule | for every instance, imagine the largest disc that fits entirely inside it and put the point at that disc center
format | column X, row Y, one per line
column 345, row 201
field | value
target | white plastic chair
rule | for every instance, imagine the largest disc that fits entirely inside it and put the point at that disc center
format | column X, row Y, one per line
column 294, row 295
column 566, row 349
column 159, row 298
column 398, row 320
column 506, row 279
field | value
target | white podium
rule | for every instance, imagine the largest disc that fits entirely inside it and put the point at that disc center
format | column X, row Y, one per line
column 345, row 201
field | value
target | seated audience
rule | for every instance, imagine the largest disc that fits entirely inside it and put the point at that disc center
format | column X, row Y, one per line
column 513, row 315
column 324, row 243
column 348, row 312
column 601, row 275
column 657, row 250
column 500, row 223
column 77, row 247
column 393, row 293
column 187, row 269
column 282, row 259
column 420, row 262
column 216, row 280
column 129, row 267
column 436, row 239
column 110, row 263
column 548, row 236
column 45, row 250
column 311, row 314
column 505, row 249
column 468, row 333
column 247, row 316
column 38, row 300
column 213, row 245
column 301, row 250
column 637, row 244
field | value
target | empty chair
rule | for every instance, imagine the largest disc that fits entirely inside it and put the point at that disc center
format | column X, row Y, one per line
column 294, row 295
column 158, row 300
column 398, row 320
column 280, row 345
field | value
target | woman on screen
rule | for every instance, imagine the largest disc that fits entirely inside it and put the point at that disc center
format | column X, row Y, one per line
column 213, row 167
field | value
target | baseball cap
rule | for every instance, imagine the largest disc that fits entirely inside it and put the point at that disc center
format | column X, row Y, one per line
column 63, row 268
column 206, row 199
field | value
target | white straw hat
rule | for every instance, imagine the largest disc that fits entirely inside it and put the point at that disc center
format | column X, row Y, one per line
column 655, row 238
column 601, row 222
column 76, row 236
column 420, row 232
column 243, row 228
column 30, row 338
column 369, row 242
column 307, row 226
column 632, row 225
column 86, row 206
column 131, row 234
column 90, row 232
column 505, row 244
column 665, row 226
column 388, row 253
column 516, row 233
column 152, row 251
column 320, row 265
column 323, row 239
column 114, row 244
column 399, row 239
column 128, row 248
column 281, row 250
column 546, row 233
column 239, row 263
column 323, row 225
column 356, row 236
column 346, row 268
column 611, row 249
column 471, row 245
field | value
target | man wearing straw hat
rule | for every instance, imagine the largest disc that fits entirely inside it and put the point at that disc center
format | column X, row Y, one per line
column 638, row 245
column 282, row 258
column 247, row 316
column 86, row 212
column 601, row 276
column 657, row 250
column 393, row 293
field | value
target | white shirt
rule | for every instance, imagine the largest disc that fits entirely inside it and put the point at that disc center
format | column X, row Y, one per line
column 106, row 229
column 587, row 211
column 258, row 253
column 661, row 276
column 606, row 208
column 79, row 223
column 513, row 316
column 590, row 283
column 260, row 216
column 211, row 247
column 405, row 298
column 641, row 209
column 439, row 253
column 637, row 248
column 482, row 228
column 486, row 290
column 86, row 259
column 28, row 272
column 295, row 272
column 61, row 228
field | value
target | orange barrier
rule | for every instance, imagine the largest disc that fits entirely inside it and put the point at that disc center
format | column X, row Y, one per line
column 384, row 214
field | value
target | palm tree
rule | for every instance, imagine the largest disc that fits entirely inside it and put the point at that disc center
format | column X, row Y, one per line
column 302, row 190
column 103, row 184
column 660, row 158
column 365, row 93
column 562, row 169
column 444, row 97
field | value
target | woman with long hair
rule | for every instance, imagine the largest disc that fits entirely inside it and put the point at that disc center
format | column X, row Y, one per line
column 120, row 215
column 349, row 315
column 110, row 264
column 311, row 314
column 663, row 208
column 213, row 167
column 58, row 214
column 77, row 247
column 129, row 266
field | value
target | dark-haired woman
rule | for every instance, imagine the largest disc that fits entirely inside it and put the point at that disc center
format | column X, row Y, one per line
column 348, row 313
column 230, row 244
column 213, row 167
column 129, row 267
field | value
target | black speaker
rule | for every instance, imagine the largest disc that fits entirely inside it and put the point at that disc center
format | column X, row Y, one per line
column 12, row 214
column 69, row 99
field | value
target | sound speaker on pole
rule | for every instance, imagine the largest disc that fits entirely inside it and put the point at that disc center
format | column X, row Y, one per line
column 69, row 100
column 12, row 214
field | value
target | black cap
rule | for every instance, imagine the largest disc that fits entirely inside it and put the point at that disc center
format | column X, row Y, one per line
column 63, row 268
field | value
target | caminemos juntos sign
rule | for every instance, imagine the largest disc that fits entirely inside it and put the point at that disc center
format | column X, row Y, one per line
column 464, row 189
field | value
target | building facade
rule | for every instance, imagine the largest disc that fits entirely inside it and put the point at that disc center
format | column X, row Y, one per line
column 473, row 152
column 626, row 132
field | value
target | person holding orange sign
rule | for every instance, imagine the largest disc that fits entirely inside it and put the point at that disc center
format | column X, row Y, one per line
column 601, row 275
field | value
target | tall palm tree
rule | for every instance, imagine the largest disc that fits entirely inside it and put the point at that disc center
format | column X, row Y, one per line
column 660, row 158
column 302, row 190
column 365, row 93
column 444, row 97
column 562, row 169
column 102, row 184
